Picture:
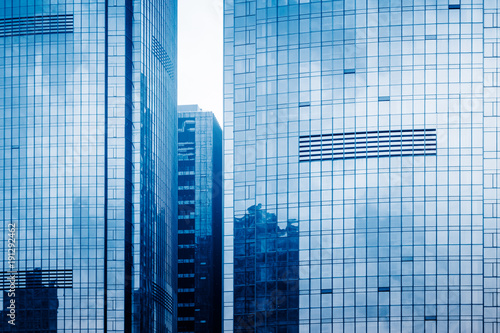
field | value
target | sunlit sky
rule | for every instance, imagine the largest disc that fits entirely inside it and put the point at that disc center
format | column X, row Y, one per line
column 200, row 59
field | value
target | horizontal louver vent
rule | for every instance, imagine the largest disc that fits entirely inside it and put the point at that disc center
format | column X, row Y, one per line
column 35, row 25
column 367, row 144
column 163, row 57
column 163, row 298
column 59, row 278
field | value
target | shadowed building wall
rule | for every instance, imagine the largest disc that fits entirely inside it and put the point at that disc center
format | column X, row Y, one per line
column 200, row 221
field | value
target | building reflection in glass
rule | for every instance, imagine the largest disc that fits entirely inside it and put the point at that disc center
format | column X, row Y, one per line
column 36, row 301
column 266, row 273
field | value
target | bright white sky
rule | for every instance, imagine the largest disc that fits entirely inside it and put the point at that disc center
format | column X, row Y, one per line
column 200, row 59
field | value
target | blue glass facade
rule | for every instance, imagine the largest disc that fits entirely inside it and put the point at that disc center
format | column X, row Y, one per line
column 200, row 221
column 373, row 126
column 88, row 163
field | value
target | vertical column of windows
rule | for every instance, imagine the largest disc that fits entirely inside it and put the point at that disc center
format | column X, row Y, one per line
column 490, row 168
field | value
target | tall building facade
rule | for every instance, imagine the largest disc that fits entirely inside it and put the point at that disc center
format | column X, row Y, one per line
column 371, row 126
column 88, row 164
column 200, row 221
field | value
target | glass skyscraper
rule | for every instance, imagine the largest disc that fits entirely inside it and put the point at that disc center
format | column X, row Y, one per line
column 363, row 136
column 88, row 164
column 200, row 221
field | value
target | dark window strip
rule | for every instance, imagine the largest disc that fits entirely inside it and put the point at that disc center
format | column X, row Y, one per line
column 37, row 21
column 394, row 138
column 341, row 157
column 371, row 132
column 366, row 142
column 370, row 147
column 161, row 54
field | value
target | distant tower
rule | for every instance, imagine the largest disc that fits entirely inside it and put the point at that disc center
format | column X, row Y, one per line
column 200, row 221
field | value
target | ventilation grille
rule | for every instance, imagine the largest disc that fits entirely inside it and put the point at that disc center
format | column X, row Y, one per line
column 163, row 298
column 36, row 25
column 367, row 144
column 163, row 57
column 59, row 278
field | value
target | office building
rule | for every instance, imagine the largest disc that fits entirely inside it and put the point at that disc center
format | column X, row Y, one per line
column 372, row 128
column 200, row 221
column 88, row 166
